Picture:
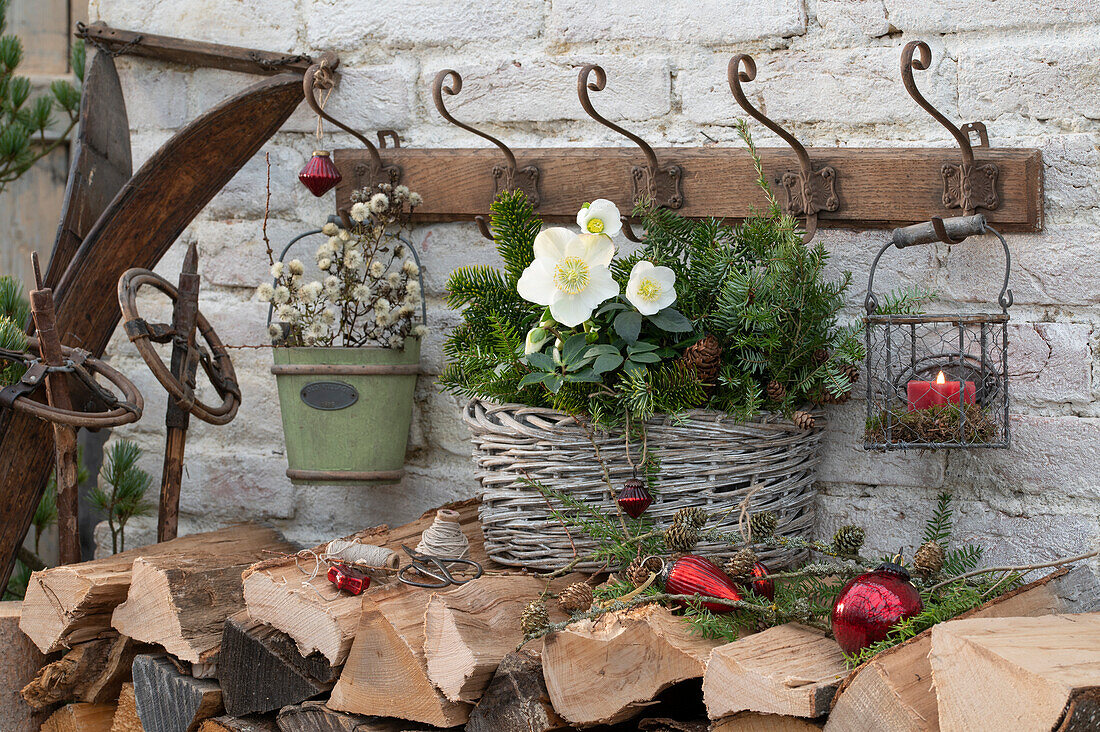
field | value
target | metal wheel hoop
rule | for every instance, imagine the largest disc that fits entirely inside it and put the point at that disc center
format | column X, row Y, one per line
column 218, row 367
column 129, row 408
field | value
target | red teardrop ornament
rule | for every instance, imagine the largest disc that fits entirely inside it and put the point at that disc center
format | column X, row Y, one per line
column 871, row 604
column 760, row 586
column 694, row 575
column 634, row 498
column 320, row 174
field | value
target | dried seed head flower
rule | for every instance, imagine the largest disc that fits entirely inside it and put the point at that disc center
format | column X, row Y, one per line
column 296, row 267
column 265, row 292
column 399, row 251
column 420, row 330
column 353, row 260
column 379, row 202
column 277, row 270
column 382, row 306
column 344, row 235
column 415, row 199
column 311, row 291
column 359, row 212
column 281, row 295
column 329, row 229
column 332, row 286
column 413, row 291
column 275, row 330
column 323, row 263
column 377, row 269
column 401, row 193
column 332, row 245
column 394, row 279
column 328, row 317
column 286, row 314
column 411, row 268
column 361, row 293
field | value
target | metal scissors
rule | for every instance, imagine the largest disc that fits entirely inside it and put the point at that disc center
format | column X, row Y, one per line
column 434, row 567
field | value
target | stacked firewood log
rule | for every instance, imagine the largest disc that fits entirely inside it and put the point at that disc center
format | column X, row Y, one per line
column 232, row 631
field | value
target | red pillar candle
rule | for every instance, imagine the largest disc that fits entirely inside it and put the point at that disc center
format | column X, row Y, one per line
column 925, row 394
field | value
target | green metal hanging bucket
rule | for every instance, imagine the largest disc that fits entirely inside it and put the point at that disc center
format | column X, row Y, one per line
column 346, row 411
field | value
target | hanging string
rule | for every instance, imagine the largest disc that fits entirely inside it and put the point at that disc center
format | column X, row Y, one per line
column 327, row 86
column 444, row 538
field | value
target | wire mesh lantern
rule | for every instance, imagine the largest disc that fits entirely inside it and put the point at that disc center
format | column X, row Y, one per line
column 940, row 380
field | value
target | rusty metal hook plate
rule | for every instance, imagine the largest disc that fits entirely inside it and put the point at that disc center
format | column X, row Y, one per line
column 661, row 185
column 966, row 185
column 807, row 191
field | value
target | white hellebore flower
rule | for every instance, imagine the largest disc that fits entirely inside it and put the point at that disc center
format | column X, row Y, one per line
column 650, row 288
column 570, row 274
column 600, row 217
column 536, row 340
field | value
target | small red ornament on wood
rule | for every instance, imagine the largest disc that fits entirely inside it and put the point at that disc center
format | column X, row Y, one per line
column 760, row 585
column 695, row 575
column 871, row 604
column 320, row 174
column 348, row 579
column 634, row 498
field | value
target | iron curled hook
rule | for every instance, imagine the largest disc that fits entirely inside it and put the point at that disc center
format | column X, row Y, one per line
column 810, row 190
column 922, row 63
column 483, row 228
column 320, row 76
column 629, row 232
column 440, row 87
column 583, row 87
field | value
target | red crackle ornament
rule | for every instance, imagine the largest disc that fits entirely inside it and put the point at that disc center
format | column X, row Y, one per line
column 348, row 579
column 695, row 575
column 634, row 498
column 320, row 174
column 760, row 585
column 871, row 604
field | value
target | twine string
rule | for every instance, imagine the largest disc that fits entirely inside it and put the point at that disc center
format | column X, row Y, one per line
column 444, row 538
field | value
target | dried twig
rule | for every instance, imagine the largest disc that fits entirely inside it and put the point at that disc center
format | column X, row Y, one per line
column 1020, row 569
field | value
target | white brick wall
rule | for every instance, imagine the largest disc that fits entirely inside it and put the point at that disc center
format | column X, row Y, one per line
column 829, row 68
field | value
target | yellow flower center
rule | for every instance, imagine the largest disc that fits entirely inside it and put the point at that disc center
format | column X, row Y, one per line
column 595, row 226
column 571, row 275
column 649, row 289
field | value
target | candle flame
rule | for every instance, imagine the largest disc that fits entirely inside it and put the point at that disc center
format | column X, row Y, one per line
column 940, row 379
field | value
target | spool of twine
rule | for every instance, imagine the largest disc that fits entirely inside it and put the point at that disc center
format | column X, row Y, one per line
column 444, row 538
column 366, row 555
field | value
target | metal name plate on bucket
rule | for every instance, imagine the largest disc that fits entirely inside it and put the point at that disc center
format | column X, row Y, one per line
column 329, row 396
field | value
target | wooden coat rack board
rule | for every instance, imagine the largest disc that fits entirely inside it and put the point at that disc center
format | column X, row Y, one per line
column 854, row 188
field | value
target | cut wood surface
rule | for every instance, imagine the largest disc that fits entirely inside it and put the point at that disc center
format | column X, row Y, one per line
column 180, row 601
column 81, row 717
column 753, row 722
column 19, row 662
column 606, row 670
column 261, row 670
column 316, row 717
column 238, row 724
column 1017, row 673
column 790, row 669
column 386, row 674
column 91, row 672
column 468, row 631
column 893, row 692
column 168, row 701
column 126, row 716
column 313, row 612
column 516, row 699
column 74, row 603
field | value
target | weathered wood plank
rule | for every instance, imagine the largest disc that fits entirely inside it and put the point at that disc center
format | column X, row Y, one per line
column 20, row 660
column 168, row 701
column 138, row 227
column 516, row 699
column 81, row 717
column 878, row 187
column 91, row 672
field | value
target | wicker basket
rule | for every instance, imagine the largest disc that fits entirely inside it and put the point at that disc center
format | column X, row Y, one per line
column 707, row 459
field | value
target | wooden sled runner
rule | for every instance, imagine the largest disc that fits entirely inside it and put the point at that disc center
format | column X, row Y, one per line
column 112, row 222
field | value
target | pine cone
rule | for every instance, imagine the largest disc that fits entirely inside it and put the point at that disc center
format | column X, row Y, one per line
column 638, row 572
column 776, row 391
column 681, row 538
column 576, row 598
column 762, row 525
column 741, row 564
column 929, row 558
column 848, row 540
column 821, row 355
column 705, row 358
column 851, row 370
column 824, row 397
column 804, row 420
column 534, row 620
column 693, row 516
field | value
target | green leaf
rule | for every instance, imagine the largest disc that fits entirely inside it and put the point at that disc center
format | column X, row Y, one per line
column 609, row 307
column 553, row 383
column 537, row 377
column 587, row 375
column 641, row 347
column 541, row 361
column 572, row 347
column 671, row 320
column 645, row 358
column 607, row 362
column 628, row 324
column 633, row 367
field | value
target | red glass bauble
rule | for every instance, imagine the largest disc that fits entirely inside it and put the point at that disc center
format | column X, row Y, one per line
column 320, row 174
column 760, row 586
column 871, row 604
column 694, row 575
column 634, row 498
